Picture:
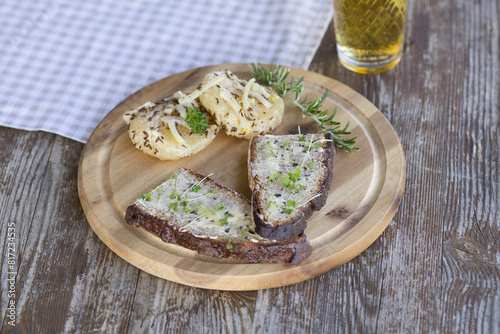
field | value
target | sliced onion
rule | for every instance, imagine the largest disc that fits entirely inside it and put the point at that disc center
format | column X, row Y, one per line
column 171, row 122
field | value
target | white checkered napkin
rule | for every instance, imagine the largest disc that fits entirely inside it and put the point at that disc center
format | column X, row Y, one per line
column 65, row 63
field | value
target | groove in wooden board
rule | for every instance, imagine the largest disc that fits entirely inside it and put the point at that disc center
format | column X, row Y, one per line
column 113, row 173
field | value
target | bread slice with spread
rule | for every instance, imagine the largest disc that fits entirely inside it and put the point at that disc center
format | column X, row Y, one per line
column 290, row 177
column 195, row 212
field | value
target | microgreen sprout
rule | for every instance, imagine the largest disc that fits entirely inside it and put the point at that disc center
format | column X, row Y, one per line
column 196, row 188
column 196, row 184
column 290, row 180
column 274, row 176
column 286, row 181
column 223, row 221
column 174, row 206
column 307, row 153
column 247, row 231
column 295, row 176
column 270, row 147
column 229, row 245
column 199, row 197
column 174, row 177
column 290, row 205
column 197, row 121
column 288, row 209
column 310, row 199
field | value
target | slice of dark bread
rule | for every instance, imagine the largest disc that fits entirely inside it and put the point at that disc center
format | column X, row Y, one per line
column 290, row 176
column 196, row 212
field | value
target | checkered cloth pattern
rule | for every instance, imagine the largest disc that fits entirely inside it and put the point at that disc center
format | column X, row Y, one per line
column 66, row 63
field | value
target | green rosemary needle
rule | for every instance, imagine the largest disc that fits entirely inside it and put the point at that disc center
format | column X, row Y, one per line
column 276, row 77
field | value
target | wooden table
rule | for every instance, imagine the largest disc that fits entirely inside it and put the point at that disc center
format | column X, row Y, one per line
column 436, row 268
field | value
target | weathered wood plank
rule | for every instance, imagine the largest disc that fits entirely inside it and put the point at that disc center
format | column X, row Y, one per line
column 471, row 229
column 64, row 282
column 448, row 145
column 164, row 307
column 23, row 159
column 445, row 109
column 345, row 299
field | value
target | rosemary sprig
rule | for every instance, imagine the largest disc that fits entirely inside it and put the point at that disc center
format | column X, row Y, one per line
column 276, row 77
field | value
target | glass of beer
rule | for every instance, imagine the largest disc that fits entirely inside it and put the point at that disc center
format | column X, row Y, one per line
column 369, row 33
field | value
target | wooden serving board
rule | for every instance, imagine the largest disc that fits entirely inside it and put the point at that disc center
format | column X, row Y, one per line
column 366, row 189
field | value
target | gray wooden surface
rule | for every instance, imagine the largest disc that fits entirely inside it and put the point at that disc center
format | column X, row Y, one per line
column 435, row 269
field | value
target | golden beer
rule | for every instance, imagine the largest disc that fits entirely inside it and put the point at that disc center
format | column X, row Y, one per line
column 369, row 33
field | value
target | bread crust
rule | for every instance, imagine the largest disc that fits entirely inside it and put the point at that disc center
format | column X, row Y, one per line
column 292, row 252
column 297, row 223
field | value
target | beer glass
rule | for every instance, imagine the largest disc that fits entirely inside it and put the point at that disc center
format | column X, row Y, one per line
column 369, row 33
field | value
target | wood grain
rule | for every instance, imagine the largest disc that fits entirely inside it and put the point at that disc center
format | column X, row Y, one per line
column 435, row 269
column 444, row 106
column 366, row 193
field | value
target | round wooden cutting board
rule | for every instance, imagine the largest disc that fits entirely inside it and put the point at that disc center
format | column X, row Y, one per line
column 366, row 189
